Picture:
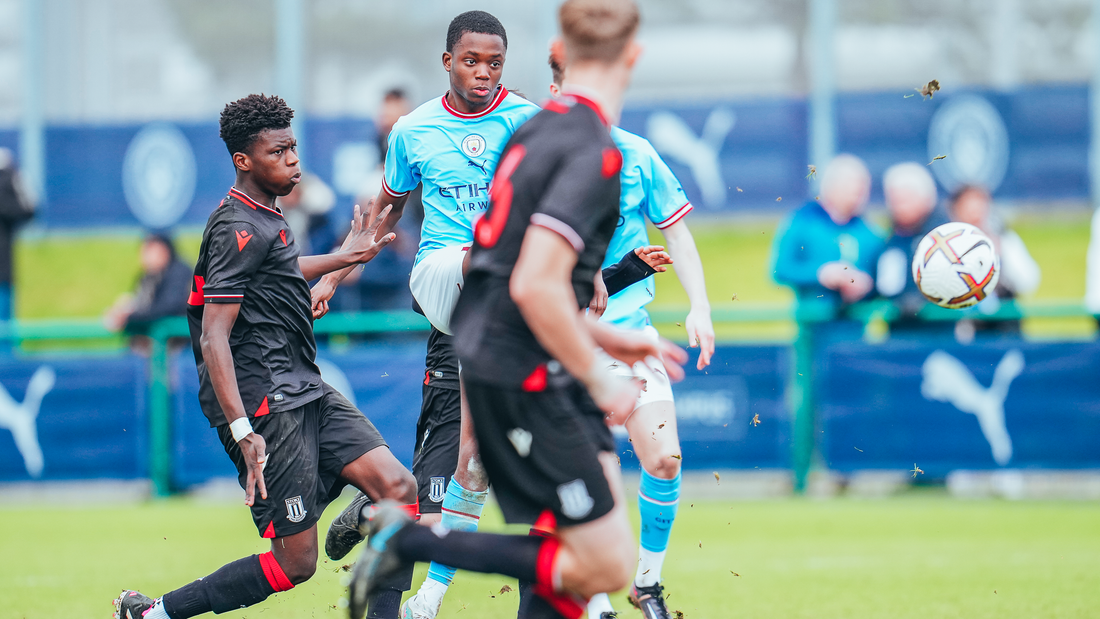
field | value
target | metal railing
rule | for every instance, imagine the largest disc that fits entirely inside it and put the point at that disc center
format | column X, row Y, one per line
column 383, row 322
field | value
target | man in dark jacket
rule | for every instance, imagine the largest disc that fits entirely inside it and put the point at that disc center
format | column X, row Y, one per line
column 16, row 207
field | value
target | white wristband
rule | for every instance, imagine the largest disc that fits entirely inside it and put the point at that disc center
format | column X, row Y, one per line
column 240, row 428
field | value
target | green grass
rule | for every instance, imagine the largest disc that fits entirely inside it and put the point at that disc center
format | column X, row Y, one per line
column 70, row 276
column 919, row 555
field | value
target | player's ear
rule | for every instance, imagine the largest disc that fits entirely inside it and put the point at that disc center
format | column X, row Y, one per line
column 447, row 58
column 554, row 90
column 242, row 161
column 632, row 53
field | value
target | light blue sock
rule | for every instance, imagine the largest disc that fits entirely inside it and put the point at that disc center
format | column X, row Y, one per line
column 461, row 511
column 657, row 502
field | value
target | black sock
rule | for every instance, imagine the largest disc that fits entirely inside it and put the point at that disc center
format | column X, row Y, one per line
column 384, row 604
column 525, row 597
column 538, row 608
column 490, row 553
column 241, row 583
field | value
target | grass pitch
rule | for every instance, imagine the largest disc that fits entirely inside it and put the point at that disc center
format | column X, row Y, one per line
column 919, row 555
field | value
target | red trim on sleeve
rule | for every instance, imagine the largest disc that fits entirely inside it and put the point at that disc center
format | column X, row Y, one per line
column 536, row 381
column 269, row 532
column 196, row 297
column 675, row 217
column 276, row 577
column 263, row 410
column 502, row 92
column 391, row 192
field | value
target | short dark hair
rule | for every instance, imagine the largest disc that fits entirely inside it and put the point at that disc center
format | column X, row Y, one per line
column 557, row 73
column 478, row 22
column 245, row 119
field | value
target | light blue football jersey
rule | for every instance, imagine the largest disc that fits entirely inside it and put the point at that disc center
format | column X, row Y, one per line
column 649, row 191
column 454, row 155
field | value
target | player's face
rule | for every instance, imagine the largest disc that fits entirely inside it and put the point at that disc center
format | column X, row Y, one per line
column 475, row 66
column 274, row 161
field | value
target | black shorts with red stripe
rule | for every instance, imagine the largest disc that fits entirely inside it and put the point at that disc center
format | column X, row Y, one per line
column 540, row 447
column 307, row 448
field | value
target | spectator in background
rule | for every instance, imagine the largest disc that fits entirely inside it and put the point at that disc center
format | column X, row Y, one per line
column 911, row 200
column 825, row 251
column 1020, row 274
column 16, row 207
column 306, row 210
column 162, row 290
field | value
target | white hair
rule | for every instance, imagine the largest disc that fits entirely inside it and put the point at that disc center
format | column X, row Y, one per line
column 842, row 170
column 910, row 177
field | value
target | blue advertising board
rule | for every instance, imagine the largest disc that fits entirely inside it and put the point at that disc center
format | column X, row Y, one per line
column 731, row 155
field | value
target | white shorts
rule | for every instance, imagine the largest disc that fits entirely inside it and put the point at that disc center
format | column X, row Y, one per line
column 658, row 388
column 436, row 282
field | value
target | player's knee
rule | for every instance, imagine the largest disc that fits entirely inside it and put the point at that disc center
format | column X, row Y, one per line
column 298, row 567
column 666, row 465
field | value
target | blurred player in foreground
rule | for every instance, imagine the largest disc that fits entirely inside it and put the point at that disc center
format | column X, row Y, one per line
column 290, row 435
column 537, row 394
column 650, row 191
column 450, row 144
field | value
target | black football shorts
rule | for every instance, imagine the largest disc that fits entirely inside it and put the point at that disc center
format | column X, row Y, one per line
column 435, row 456
column 307, row 448
column 541, row 451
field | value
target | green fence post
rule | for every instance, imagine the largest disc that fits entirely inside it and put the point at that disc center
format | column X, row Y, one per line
column 802, row 403
column 160, row 423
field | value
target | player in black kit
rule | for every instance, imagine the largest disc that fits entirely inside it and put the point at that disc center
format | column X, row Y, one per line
column 290, row 435
column 539, row 400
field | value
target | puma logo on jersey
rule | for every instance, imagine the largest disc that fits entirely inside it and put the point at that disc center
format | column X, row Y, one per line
column 242, row 239
column 480, row 166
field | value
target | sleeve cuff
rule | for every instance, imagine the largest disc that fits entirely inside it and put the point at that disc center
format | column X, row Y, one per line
column 391, row 192
column 223, row 295
column 675, row 217
column 565, row 230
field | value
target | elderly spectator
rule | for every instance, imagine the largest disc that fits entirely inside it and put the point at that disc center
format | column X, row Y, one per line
column 161, row 291
column 1020, row 274
column 825, row 251
column 911, row 200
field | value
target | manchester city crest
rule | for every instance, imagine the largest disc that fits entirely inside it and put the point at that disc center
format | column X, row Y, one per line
column 473, row 145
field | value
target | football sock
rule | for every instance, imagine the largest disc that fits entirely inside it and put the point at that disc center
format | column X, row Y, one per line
column 461, row 512
column 156, row 611
column 509, row 555
column 599, row 603
column 385, row 604
column 658, row 500
column 241, row 583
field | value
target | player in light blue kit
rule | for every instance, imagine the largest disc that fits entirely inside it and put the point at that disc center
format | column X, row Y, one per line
column 651, row 192
column 451, row 145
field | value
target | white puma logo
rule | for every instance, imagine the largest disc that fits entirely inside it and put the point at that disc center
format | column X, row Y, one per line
column 673, row 138
column 20, row 417
column 946, row 379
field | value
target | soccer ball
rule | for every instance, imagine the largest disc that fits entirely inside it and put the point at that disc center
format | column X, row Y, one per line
column 956, row 266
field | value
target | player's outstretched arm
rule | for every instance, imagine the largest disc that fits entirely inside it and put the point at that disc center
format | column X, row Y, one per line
column 323, row 290
column 217, row 323
column 689, row 269
column 362, row 244
column 635, row 266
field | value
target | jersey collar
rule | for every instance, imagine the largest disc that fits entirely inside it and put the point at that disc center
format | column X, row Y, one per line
column 243, row 197
column 501, row 93
column 588, row 97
